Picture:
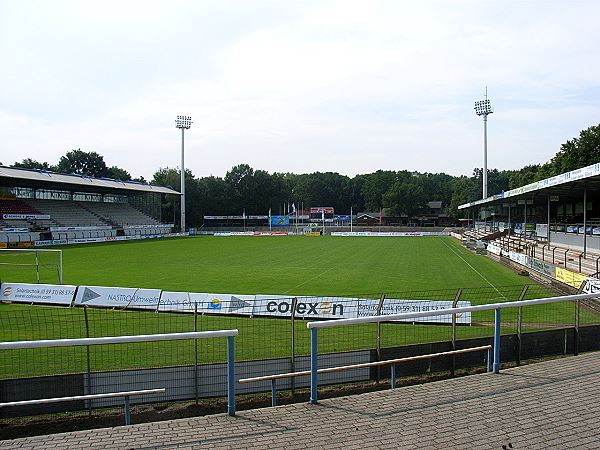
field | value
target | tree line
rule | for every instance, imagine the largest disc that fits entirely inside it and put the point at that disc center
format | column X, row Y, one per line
column 257, row 191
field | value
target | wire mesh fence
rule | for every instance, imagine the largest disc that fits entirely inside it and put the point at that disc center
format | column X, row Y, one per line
column 273, row 338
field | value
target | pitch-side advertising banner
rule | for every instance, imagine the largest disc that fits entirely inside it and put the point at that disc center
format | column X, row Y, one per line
column 493, row 248
column 211, row 303
column 396, row 306
column 573, row 279
column 519, row 258
column 319, row 307
column 117, row 297
column 390, row 233
column 207, row 303
column 38, row 293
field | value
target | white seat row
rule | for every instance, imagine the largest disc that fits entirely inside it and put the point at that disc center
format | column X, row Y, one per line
column 146, row 231
column 19, row 237
column 83, row 234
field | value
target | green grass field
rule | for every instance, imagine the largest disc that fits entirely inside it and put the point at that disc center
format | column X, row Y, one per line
column 294, row 265
column 404, row 267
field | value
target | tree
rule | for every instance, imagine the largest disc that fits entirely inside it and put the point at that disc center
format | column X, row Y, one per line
column 83, row 163
column 29, row 163
column 578, row 152
column 116, row 173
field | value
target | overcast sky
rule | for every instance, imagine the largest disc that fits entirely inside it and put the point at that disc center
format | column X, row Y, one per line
column 297, row 86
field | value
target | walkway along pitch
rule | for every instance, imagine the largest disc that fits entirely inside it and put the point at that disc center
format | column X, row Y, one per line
column 554, row 404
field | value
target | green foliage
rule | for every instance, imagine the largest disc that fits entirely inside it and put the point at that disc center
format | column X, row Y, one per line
column 29, row 163
column 83, row 163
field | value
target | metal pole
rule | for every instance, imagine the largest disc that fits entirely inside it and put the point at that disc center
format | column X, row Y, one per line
column 89, row 364
column 509, row 219
column 314, row 365
column 60, row 273
column 182, row 184
column 127, row 411
column 378, row 343
column 497, row 340
column 293, row 358
column 273, row 392
column 37, row 267
column 524, row 230
column 195, row 352
column 584, row 222
column 454, row 304
column 548, row 237
column 520, row 322
column 485, row 177
column 231, row 375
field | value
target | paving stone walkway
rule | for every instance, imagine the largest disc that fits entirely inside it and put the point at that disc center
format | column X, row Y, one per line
column 554, row 404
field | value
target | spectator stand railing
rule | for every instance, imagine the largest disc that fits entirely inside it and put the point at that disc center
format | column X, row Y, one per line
column 229, row 334
column 497, row 307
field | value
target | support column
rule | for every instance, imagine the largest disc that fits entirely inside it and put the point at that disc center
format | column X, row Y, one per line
column 584, row 221
column 548, row 222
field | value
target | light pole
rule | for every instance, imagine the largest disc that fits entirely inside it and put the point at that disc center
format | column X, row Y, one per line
column 483, row 108
column 183, row 122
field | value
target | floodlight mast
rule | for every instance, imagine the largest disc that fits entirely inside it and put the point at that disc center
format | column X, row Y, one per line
column 183, row 122
column 483, row 108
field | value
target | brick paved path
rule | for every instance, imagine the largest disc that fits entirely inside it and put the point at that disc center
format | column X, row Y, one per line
column 555, row 404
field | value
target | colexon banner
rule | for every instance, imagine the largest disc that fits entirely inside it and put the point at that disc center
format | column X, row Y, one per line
column 117, row 297
column 56, row 294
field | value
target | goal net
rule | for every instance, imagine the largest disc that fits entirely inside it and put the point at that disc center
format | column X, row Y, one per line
column 31, row 266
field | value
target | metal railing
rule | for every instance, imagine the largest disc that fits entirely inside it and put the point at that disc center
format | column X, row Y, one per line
column 125, row 395
column 391, row 362
column 229, row 334
column 497, row 307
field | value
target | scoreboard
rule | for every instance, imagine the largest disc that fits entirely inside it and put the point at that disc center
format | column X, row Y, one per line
column 317, row 213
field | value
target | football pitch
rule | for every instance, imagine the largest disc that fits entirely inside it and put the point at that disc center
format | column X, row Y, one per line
column 430, row 268
column 286, row 265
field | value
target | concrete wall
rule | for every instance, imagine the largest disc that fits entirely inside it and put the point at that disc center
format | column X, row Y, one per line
column 575, row 241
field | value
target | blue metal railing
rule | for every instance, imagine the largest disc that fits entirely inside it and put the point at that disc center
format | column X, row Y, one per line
column 497, row 307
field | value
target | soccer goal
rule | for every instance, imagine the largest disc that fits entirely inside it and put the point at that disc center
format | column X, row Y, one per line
column 31, row 265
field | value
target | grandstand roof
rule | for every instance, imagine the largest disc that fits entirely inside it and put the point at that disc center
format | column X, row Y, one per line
column 52, row 180
column 565, row 183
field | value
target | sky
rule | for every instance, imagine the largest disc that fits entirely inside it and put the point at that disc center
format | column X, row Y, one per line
column 297, row 86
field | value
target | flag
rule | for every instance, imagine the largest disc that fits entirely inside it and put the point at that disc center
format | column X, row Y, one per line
column 294, row 209
column 244, row 214
column 380, row 216
column 323, row 215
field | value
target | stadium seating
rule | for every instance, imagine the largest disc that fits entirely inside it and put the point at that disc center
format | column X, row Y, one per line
column 118, row 214
column 67, row 214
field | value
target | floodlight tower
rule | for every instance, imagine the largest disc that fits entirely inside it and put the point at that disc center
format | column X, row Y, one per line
column 183, row 122
column 483, row 108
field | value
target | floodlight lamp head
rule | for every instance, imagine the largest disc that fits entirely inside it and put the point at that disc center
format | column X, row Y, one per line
column 483, row 108
column 183, row 122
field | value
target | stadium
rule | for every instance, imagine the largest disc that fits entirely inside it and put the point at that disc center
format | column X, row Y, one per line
column 94, row 258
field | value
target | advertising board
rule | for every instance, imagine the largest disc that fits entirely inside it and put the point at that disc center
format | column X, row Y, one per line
column 368, row 307
column 495, row 249
column 117, row 297
column 573, row 279
column 38, row 293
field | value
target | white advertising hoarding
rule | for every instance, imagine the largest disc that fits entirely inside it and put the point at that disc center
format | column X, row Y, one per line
column 38, row 293
column 368, row 307
column 117, row 297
